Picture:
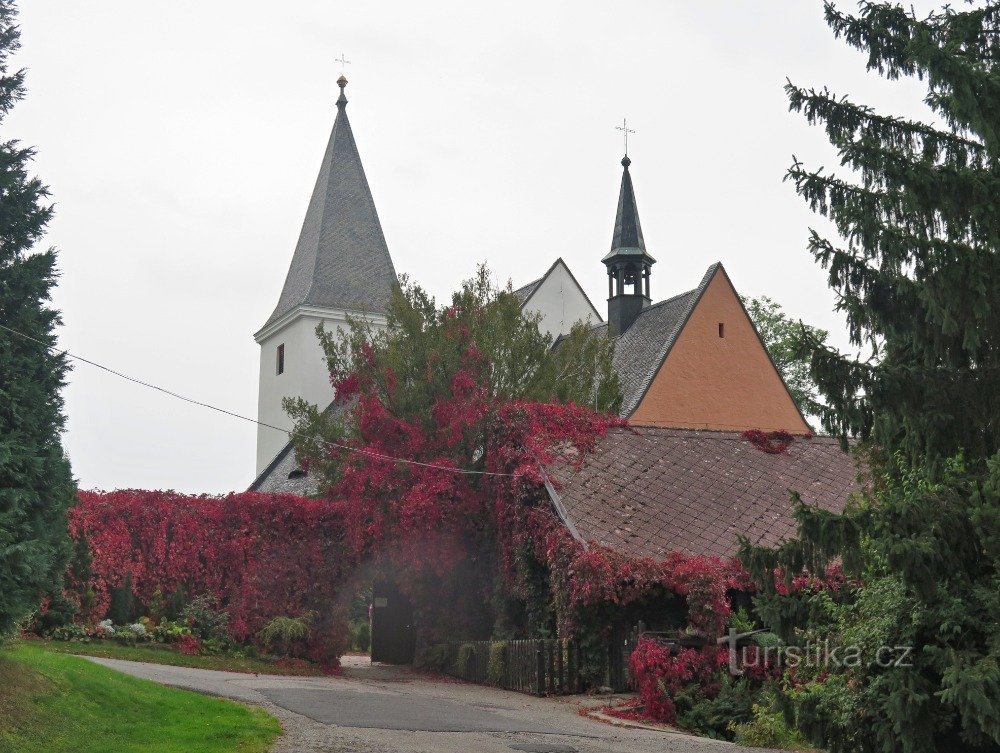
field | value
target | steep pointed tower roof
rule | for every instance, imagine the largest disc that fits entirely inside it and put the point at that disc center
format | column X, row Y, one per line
column 341, row 260
column 627, row 238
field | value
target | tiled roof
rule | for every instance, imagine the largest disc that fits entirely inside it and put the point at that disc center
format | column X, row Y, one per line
column 523, row 292
column 341, row 260
column 653, row 491
column 643, row 346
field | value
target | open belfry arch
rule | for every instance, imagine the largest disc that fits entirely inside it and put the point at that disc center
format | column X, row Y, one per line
column 694, row 360
column 694, row 372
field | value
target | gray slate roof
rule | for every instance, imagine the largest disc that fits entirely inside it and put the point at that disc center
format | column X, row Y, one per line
column 341, row 260
column 275, row 478
column 524, row 292
column 284, row 475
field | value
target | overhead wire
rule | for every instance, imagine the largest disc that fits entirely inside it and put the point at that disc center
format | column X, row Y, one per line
column 289, row 432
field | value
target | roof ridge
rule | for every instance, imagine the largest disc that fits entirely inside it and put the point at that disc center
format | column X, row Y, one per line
column 671, row 299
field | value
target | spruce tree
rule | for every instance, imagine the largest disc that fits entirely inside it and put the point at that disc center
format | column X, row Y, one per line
column 916, row 272
column 36, row 486
column 917, row 269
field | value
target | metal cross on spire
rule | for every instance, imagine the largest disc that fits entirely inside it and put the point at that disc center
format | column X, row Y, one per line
column 343, row 62
column 624, row 127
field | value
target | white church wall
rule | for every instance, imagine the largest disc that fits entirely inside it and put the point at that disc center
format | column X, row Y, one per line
column 305, row 374
column 561, row 302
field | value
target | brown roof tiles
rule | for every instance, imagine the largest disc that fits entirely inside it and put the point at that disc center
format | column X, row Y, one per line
column 652, row 491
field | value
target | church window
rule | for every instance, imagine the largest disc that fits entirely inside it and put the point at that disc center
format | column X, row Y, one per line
column 722, row 329
column 281, row 358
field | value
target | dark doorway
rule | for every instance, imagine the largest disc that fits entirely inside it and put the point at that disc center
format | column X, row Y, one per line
column 392, row 625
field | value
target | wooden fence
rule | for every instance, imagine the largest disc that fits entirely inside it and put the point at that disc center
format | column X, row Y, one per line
column 541, row 667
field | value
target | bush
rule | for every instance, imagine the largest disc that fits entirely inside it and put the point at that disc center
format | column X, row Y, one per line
column 497, row 666
column 766, row 729
column 122, row 609
column 58, row 612
column 70, row 632
column 466, row 659
column 169, row 632
column 280, row 633
column 205, row 618
column 436, row 657
column 713, row 716
column 661, row 674
column 361, row 638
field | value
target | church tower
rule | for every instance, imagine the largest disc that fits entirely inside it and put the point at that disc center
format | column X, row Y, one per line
column 627, row 262
column 341, row 267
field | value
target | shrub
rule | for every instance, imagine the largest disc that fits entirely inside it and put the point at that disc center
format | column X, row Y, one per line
column 436, row 657
column 168, row 632
column 360, row 635
column 661, row 673
column 466, row 659
column 57, row 611
column 497, row 665
column 70, row 632
column 205, row 618
column 188, row 644
column 122, row 608
column 713, row 716
column 766, row 729
column 281, row 632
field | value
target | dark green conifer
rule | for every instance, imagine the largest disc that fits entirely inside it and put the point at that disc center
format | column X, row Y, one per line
column 36, row 486
column 917, row 268
column 917, row 272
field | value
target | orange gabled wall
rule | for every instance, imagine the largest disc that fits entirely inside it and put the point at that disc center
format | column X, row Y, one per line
column 712, row 382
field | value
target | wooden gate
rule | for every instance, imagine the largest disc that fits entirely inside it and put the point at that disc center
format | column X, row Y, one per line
column 392, row 625
column 620, row 648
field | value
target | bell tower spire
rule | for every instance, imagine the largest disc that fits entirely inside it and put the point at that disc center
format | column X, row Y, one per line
column 628, row 262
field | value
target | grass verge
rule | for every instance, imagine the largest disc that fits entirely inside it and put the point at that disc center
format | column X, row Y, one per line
column 163, row 654
column 52, row 703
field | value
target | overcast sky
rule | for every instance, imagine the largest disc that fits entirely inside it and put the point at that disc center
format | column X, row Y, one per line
column 181, row 141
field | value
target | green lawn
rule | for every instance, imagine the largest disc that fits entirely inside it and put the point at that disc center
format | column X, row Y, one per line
column 160, row 654
column 50, row 703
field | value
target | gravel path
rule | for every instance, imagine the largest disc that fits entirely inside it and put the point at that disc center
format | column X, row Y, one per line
column 388, row 709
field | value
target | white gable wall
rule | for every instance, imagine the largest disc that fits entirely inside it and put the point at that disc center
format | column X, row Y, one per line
column 560, row 301
column 305, row 373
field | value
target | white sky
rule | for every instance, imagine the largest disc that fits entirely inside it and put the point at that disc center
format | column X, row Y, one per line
column 181, row 141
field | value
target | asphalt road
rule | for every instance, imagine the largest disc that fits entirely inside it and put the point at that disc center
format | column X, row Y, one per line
column 377, row 708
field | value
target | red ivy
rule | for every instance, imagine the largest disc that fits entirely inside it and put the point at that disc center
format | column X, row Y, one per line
column 773, row 443
column 262, row 555
column 419, row 522
column 660, row 673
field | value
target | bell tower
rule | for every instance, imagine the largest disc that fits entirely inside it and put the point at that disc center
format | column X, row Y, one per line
column 340, row 268
column 628, row 262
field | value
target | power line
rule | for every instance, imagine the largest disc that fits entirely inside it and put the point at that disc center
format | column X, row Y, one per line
column 289, row 432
